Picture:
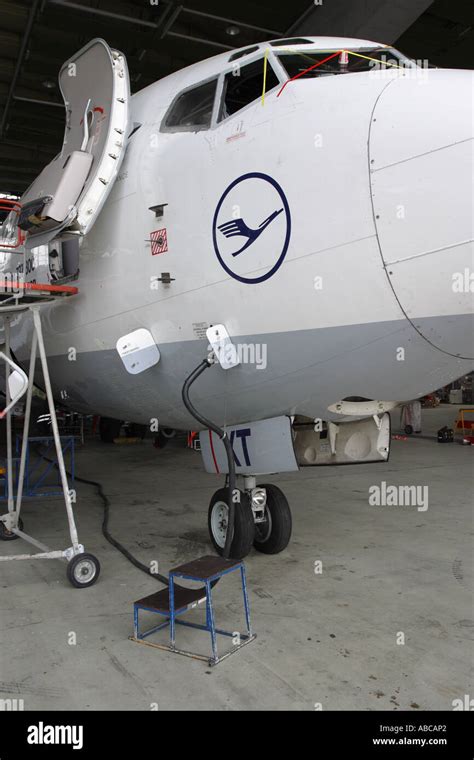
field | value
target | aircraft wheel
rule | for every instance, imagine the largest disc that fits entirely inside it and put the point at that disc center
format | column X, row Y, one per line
column 244, row 526
column 83, row 570
column 273, row 535
column 7, row 535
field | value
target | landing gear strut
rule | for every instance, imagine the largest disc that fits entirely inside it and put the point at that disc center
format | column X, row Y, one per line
column 262, row 519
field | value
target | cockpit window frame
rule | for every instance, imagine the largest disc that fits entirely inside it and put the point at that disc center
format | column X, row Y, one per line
column 193, row 127
column 389, row 49
column 271, row 61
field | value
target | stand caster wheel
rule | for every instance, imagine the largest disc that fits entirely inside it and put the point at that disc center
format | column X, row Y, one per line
column 83, row 570
column 273, row 534
column 7, row 535
column 408, row 429
column 244, row 526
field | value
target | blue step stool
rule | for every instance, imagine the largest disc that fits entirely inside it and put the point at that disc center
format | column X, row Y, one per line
column 174, row 601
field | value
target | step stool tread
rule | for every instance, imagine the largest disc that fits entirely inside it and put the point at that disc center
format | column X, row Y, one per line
column 159, row 601
column 205, row 567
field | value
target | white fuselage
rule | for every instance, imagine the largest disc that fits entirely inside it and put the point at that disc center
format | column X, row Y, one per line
column 377, row 176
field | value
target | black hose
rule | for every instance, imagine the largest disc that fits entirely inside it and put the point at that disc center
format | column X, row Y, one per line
column 105, row 522
column 108, row 536
column 227, row 444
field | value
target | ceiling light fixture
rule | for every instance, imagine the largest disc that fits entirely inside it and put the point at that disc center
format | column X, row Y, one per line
column 232, row 31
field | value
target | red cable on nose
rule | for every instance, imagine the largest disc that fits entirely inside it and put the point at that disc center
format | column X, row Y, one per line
column 309, row 69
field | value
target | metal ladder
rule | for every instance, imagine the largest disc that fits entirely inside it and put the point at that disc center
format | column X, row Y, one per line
column 83, row 569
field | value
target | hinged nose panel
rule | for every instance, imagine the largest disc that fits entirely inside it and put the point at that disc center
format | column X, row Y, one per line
column 421, row 160
column 96, row 91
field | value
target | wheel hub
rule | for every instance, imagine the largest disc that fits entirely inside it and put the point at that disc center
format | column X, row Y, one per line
column 219, row 523
column 84, row 571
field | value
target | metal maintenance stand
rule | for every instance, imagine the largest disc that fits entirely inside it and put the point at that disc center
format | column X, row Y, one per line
column 83, row 569
column 174, row 601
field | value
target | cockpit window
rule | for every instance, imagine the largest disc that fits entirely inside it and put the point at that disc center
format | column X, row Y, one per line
column 245, row 84
column 192, row 110
column 307, row 65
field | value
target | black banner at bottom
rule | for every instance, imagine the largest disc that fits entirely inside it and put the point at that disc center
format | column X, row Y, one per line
column 369, row 734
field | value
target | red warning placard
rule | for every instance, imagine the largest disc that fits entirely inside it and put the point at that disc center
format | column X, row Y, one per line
column 159, row 241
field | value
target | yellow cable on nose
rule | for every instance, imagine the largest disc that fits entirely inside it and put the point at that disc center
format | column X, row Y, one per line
column 264, row 76
column 368, row 58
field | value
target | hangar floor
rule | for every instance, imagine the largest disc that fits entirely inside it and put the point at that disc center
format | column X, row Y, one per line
column 327, row 638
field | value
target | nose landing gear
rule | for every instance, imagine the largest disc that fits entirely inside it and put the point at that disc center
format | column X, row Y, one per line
column 234, row 514
column 262, row 520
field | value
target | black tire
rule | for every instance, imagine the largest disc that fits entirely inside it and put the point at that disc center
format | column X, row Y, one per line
column 83, row 570
column 409, row 429
column 244, row 525
column 109, row 429
column 273, row 535
column 6, row 535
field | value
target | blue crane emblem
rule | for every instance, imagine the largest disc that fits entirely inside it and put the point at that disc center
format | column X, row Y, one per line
column 237, row 227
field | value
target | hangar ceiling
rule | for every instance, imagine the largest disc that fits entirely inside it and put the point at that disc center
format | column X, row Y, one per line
column 161, row 36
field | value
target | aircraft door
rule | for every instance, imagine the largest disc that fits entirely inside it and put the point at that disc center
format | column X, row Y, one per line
column 71, row 190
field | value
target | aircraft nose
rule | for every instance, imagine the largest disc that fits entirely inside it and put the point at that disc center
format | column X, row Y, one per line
column 421, row 174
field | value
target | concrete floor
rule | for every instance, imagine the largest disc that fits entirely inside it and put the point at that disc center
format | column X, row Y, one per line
column 328, row 638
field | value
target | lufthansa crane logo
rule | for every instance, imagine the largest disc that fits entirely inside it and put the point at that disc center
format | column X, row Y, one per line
column 252, row 228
